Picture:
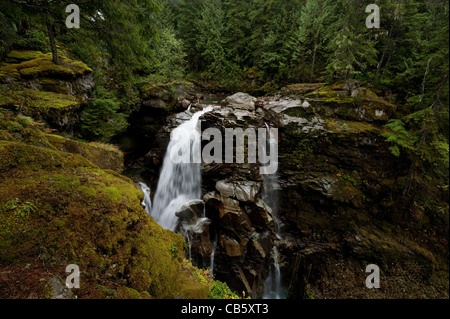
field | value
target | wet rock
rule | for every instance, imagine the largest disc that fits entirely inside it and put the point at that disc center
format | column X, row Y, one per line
column 232, row 247
column 170, row 97
column 244, row 191
column 58, row 289
column 185, row 103
column 191, row 211
column 242, row 101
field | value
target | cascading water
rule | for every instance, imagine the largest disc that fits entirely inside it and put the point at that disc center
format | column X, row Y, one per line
column 179, row 182
column 271, row 185
column 147, row 203
column 211, row 262
column 273, row 288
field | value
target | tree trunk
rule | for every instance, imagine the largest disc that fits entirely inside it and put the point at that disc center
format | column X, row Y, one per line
column 51, row 35
column 313, row 60
column 388, row 59
column 385, row 49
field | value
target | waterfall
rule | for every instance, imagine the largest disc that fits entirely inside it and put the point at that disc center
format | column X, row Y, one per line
column 180, row 181
column 147, row 203
column 211, row 262
column 272, row 289
column 271, row 188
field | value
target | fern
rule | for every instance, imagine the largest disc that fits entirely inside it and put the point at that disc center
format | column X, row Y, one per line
column 399, row 136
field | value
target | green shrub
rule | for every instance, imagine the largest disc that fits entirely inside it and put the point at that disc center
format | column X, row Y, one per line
column 220, row 290
column 33, row 39
column 102, row 120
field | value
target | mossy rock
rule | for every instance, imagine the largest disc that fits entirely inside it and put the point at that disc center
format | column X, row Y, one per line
column 105, row 156
column 340, row 126
column 38, row 100
column 363, row 105
column 59, row 208
column 18, row 56
column 158, row 90
column 60, row 111
column 53, row 85
column 300, row 89
column 34, row 64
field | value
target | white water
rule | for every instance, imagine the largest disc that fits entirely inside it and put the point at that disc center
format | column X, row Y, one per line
column 272, row 186
column 211, row 262
column 147, row 203
column 273, row 289
column 179, row 183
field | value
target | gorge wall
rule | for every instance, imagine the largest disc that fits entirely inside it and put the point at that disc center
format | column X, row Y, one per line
column 339, row 199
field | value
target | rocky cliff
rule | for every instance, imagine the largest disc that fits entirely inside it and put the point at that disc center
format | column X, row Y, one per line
column 340, row 206
column 56, row 94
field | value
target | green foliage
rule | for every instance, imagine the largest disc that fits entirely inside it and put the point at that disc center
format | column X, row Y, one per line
column 308, row 292
column 349, row 178
column 171, row 57
column 33, row 39
column 399, row 136
column 211, row 38
column 102, row 120
column 18, row 207
column 174, row 251
column 220, row 290
column 350, row 44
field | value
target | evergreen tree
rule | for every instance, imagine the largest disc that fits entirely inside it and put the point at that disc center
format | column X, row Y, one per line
column 350, row 43
column 310, row 36
column 240, row 27
column 187, row 14
column 211, row 38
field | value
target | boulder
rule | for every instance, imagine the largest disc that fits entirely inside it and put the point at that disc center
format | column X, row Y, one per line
column 191, row 211
column 58, row 289
column 244, row 191
column 242, row 101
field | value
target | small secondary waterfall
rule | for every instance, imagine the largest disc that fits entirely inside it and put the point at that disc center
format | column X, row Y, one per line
column 180, row 181
column 147, row 203
column 211, row 262
column 273, row 289
column 272, row 186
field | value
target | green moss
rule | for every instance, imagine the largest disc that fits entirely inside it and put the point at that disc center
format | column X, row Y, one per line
column 87, row 191
column 306, row 113
column 37, row 100
column 91, row 217
column 301, row 88
column 351, row 127
column 18, row 155
column 24, row 55
column 346, row 192
column 35, row 64
column 104, row 155
column 129, row 293
column 303, row 150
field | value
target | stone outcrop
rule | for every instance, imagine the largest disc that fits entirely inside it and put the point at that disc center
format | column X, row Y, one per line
column 242, row 101
column 55, row 94
column 169, row 97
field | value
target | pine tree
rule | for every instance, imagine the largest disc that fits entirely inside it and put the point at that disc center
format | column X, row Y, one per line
column 211, row 39
column 350, row 44
column 240, row 27
column 310, row 36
